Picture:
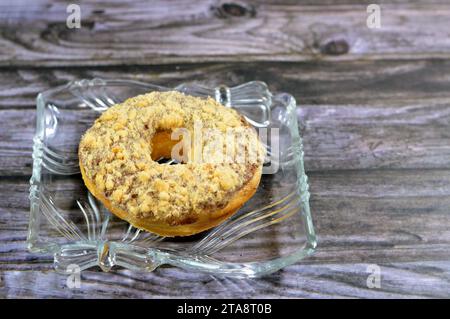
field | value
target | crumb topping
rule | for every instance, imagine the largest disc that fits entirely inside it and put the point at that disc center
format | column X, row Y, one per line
column 116, row 155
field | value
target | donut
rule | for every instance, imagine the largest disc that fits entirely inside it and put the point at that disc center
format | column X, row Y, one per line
column 218, row 154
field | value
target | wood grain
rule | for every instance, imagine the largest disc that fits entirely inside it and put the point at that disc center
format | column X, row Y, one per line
column 402, row 137
column 322, row 82
column 399, row 221
column 392, row 211
column 427, row 279
column 373, row 108
column 352, row 115
column 118, row 33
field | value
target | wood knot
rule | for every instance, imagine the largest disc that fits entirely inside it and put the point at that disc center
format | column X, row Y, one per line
column 234, row 10
column 335, row 47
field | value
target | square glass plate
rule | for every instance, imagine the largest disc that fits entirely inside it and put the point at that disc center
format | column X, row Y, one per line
column 272, row 230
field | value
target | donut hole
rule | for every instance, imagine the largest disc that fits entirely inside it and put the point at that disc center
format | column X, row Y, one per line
column 162, row 146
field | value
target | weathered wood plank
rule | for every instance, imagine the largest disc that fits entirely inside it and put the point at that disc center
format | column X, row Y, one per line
column 398, row 220
column 356, row 116
column 405, row 135
column 398, row 280
column 16, row 145
column 360, row 82
column 116, row 33
column 367, row 210
column 360, row 217
column 352, row 115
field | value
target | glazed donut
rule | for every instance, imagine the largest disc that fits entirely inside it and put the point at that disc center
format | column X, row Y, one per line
column 219, row 159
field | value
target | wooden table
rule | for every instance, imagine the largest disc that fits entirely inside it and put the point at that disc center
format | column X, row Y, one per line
column 374, row 111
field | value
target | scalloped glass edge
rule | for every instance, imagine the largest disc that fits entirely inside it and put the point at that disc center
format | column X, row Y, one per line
column 150, row 258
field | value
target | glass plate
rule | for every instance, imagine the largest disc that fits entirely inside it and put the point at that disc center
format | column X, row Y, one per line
column 272, row 230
